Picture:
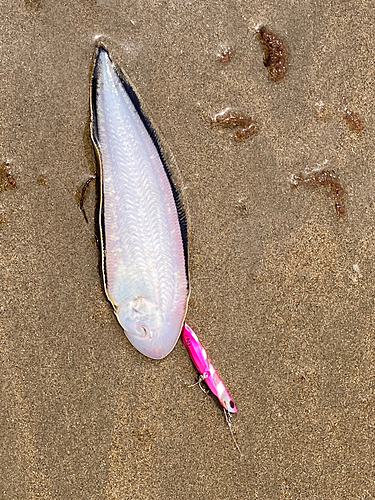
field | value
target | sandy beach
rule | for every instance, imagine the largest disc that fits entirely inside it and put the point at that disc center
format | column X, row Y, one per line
column 282, row 285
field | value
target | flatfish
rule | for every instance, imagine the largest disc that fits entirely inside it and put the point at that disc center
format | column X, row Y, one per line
column 141, row 221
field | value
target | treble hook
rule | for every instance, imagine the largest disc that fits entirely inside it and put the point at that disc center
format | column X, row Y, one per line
column 199, row 382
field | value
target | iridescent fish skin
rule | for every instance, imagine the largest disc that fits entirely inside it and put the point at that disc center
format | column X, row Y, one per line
column 144, row 254
column 205, row 368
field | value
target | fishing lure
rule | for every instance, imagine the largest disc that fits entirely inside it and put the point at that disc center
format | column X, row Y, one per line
column 209, row 375
column 142, row 226
column 207, row 372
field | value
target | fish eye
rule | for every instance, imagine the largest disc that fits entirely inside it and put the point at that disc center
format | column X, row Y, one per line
column 231, row 404
column 147, row 333
column 144, row 330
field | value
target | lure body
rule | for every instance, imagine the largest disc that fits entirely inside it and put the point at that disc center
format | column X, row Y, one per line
column 144, row 252
column 206, row 369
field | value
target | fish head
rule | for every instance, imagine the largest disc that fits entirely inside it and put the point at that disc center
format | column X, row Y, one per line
column 150, row 332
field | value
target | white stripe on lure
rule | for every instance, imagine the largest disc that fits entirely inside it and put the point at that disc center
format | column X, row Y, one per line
column 142, row 232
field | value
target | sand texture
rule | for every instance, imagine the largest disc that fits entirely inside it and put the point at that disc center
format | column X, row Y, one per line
column 282, row 285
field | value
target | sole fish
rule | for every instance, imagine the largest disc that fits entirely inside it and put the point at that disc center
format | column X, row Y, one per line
column 142, row 224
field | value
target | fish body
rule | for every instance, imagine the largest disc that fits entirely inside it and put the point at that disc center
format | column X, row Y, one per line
column 142, row 232
column 206, row 369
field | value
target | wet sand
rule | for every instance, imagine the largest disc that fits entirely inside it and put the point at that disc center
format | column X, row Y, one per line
column 282, row 288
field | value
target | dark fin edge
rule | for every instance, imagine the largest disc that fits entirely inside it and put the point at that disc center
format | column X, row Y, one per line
column 95, row 142
column 181, row 212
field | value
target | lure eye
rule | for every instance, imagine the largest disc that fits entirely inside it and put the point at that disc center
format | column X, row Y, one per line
column 231, row 404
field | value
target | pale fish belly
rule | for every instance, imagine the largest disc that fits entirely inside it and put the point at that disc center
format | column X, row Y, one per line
column 141, row 229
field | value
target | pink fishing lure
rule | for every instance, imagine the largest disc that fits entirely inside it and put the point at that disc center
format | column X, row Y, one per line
column 206, row 369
